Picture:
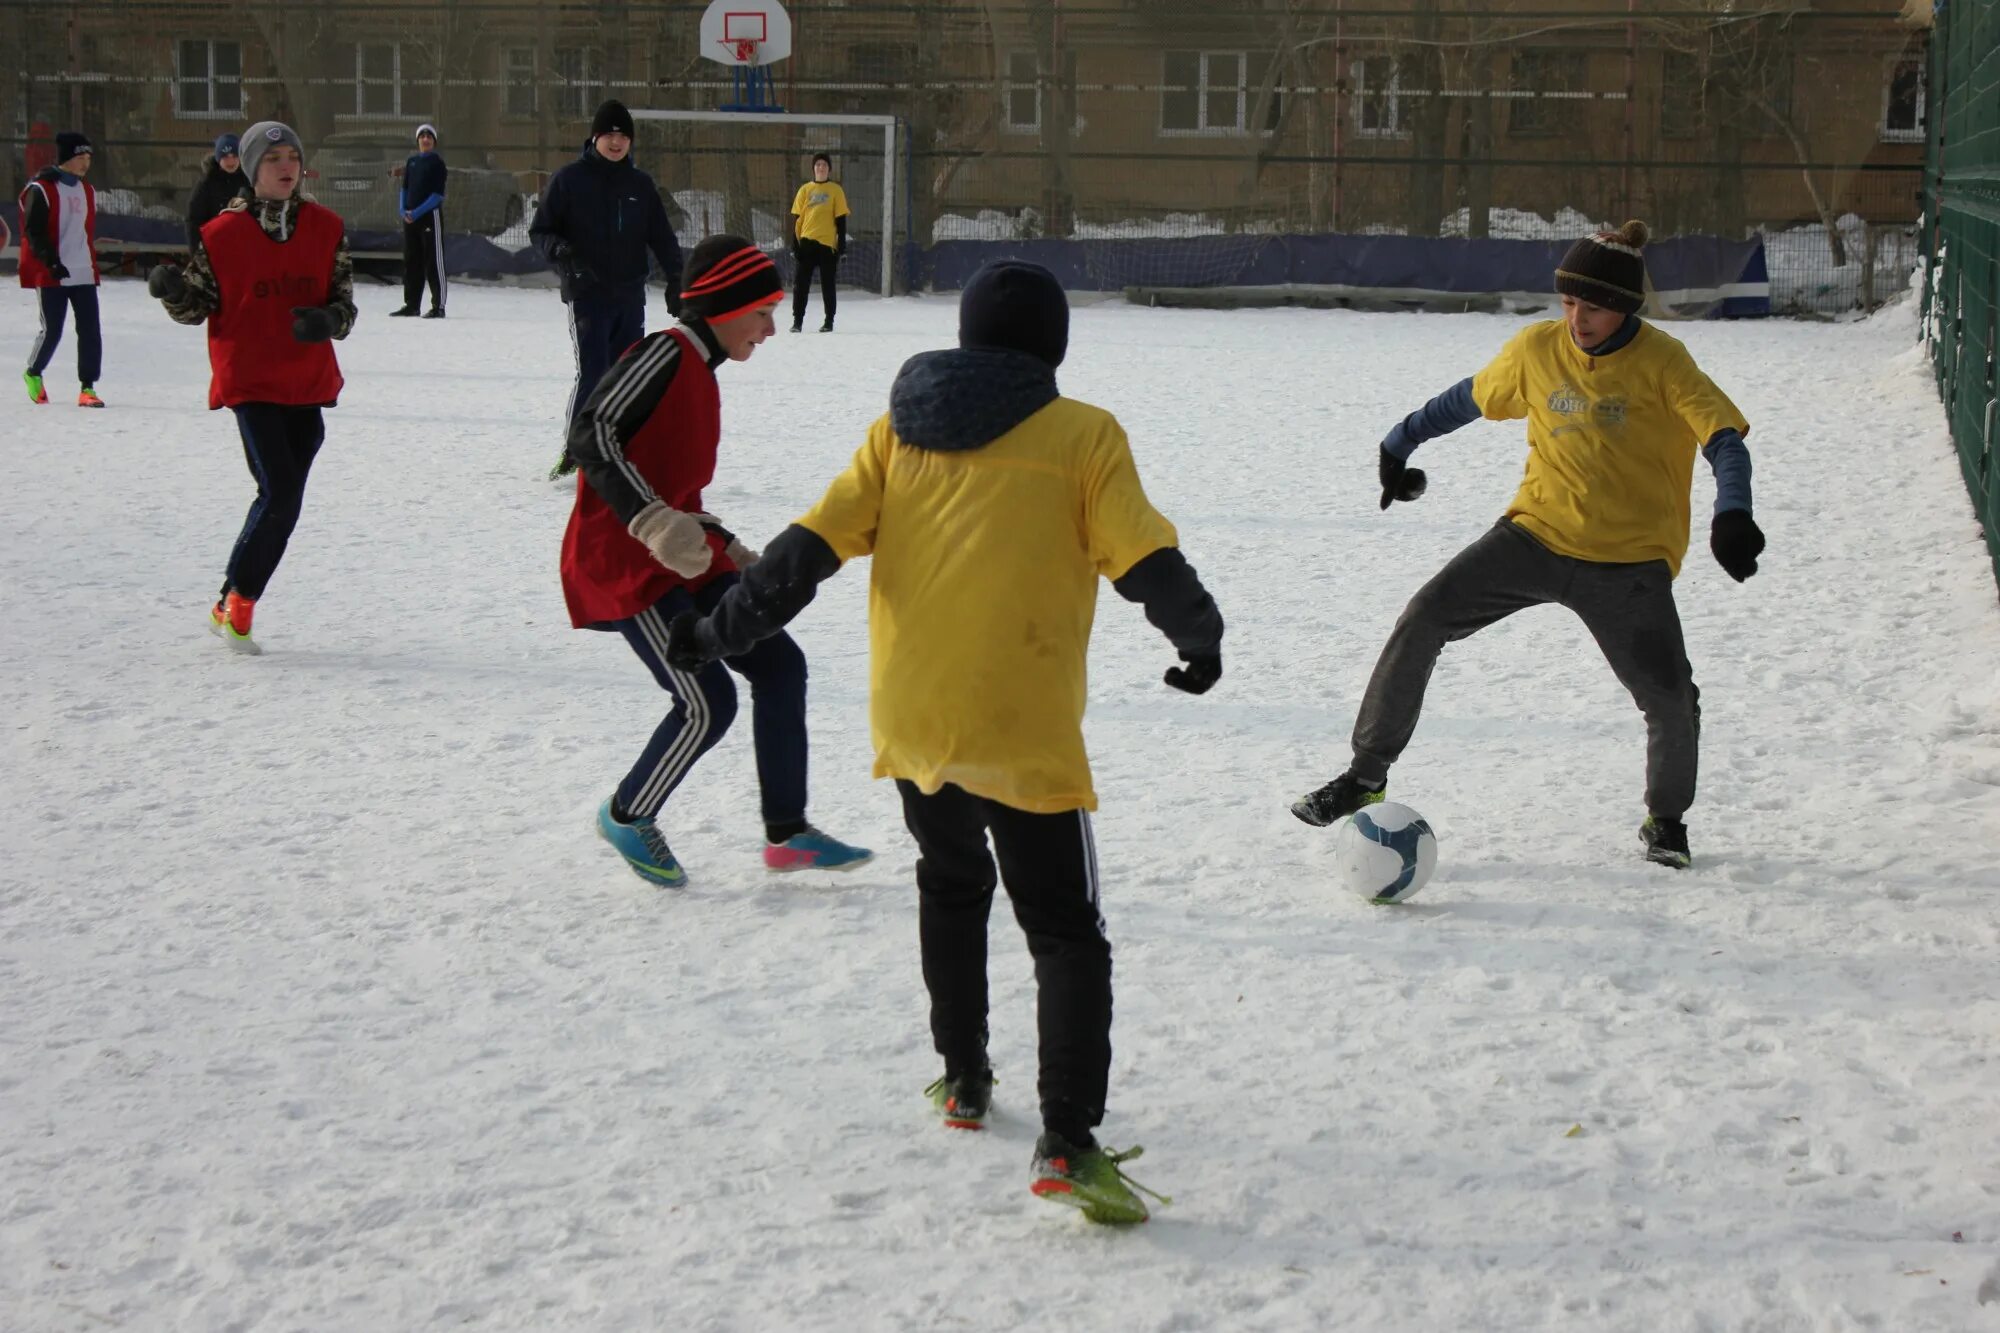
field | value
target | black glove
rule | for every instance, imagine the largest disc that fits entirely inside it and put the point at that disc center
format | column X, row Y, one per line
column 840, row 250
column 59, row 271
column 673, row 298
column 684, row 650
column 1199, row 675
column 1737, row 542
column 312, row 323
column 167, row 283
column 1400, row 481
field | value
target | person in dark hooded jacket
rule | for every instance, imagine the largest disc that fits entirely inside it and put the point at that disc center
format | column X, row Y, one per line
column 598, row 221
column 992, row 505
column 222, row 179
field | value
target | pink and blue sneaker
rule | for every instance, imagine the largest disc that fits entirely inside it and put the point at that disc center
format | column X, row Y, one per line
column 643, row 846
column 813, row 850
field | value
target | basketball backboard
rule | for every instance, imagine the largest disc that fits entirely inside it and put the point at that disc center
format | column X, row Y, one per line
column 746, row 32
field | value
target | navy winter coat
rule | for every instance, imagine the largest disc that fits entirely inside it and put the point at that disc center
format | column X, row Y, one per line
column 595, row 224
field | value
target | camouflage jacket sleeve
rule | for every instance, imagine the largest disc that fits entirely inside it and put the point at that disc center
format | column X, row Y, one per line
column 340, row 292
column 202, row 298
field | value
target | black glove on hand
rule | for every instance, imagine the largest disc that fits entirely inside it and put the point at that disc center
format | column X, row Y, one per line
column 673, row 298
column 1400, row 481
column 1199, row 675
column 840, row 250
column 1737, row 542
column 166, row 283
column 684, row 650
column 58, row 270
column 312, row 323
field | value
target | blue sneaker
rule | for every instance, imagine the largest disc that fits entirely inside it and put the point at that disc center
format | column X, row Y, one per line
column 813, row 850
column 644, row 848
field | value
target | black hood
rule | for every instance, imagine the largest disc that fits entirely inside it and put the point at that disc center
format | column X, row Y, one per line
column 965, row 398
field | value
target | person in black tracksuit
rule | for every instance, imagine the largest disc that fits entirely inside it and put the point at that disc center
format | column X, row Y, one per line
column 597, row 222
column 222, row 179
column 422, row 209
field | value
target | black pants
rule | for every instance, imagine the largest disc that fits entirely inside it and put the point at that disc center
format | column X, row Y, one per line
column 423, row 259
column 808, row 258
column 705, row 705
column 280, row 444
column 1628, row 608
column 1049, row 864
column 602, row 325
column 56, row 304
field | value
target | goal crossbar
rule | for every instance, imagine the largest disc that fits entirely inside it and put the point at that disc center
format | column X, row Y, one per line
column 886, row 124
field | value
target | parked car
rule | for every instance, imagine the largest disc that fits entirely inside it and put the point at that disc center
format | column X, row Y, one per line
column 356, row 180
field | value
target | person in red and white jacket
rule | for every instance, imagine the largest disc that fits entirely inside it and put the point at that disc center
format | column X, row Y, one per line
column 59, row 258
column 639, row 551
column 273, row 281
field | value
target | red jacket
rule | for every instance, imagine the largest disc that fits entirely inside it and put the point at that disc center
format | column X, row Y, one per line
column 251, row 350
column 46, row 194
column 607, row 573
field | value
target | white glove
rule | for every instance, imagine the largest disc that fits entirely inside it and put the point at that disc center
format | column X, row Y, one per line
column 675, row 539
column 740, row 555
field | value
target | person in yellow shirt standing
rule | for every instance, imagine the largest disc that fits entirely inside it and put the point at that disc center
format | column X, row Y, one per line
column 1616, row 412
column 992, row 505
column 819, row 240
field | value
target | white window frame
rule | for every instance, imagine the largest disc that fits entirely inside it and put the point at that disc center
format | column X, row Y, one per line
column 509, row 84
column 1011, row 84
column 1393, row 127
column 209, row 80
column 1203, row 88
column 587, row 88
column 356, row 109
column 1898, row 134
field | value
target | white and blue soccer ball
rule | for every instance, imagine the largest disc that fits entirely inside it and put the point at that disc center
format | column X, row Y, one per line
column 1385, row 852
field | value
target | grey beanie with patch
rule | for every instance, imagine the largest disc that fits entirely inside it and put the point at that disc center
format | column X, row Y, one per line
column 260, row 139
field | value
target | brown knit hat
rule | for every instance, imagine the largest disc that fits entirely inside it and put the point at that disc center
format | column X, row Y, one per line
column 1607, row 269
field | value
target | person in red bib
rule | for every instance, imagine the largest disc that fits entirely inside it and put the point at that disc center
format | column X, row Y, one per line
column 59, row 261
column 274, row 283
column 640, row 550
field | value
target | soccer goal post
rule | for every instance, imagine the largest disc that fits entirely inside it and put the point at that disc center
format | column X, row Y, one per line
column 736, row 171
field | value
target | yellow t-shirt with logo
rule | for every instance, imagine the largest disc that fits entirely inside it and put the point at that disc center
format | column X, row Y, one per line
column 815, row 207
column 982, row 596
column 1611, row 440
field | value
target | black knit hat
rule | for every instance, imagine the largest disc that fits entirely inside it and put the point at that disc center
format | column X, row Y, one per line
column 611, row 118
column 1014, row 304
column 69, row 143
column 1607, row 269
column 727, row 276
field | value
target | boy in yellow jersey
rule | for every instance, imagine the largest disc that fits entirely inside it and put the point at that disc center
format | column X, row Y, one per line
column 819, row 240
column 1616, row 411
column 992, row 505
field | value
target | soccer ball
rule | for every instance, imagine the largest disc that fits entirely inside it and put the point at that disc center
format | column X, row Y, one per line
column 1385, row 852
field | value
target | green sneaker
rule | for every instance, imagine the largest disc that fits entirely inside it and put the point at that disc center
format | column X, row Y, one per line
column 1666, row 842
column 1088, row 1180
column 962, row 1102
column 36, row 393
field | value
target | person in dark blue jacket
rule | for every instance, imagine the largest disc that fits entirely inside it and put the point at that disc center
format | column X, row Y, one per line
column 597, row 220
column 422, row 205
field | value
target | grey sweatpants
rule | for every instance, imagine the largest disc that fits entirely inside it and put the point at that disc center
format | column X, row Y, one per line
column 1628, row 608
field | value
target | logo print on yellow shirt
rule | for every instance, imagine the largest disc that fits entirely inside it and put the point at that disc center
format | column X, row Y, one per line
column 1566, row 401
column 1610, row 412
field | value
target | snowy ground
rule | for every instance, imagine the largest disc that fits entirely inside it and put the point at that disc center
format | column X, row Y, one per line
column 326, row 1009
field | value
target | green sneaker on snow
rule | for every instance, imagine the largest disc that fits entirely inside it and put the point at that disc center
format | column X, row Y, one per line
column 1089, row 1180
column 963, row 1102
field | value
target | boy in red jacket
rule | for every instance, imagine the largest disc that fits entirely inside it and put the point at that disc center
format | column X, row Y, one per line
column 639, row 551
column 273, row 282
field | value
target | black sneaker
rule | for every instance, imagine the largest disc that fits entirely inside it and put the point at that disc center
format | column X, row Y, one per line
column 436, row 312
column 1336, row 800
column 798, row 326
column 404, row 313
column 1666, row 842
column 962, row 1102
column 826, row 327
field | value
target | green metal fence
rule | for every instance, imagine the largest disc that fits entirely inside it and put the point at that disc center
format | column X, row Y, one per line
column 1962, row 294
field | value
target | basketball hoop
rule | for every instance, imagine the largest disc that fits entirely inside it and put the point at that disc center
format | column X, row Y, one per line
column 746, row 50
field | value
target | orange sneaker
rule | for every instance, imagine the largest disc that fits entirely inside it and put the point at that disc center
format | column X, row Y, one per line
column 89, row 398
column 229, row 620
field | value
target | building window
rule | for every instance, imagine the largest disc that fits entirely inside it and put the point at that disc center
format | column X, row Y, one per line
column 1903, row 103
column 1023, row 91
column 1204, row 93
column 1681, row 95
column 376, row 88
column 519, row 98
column 210, row 79
column 581, row 71
column 1543, row 85
column 1380, row 85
